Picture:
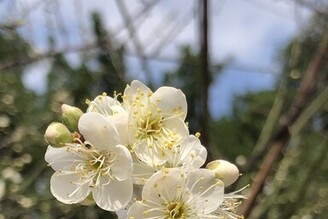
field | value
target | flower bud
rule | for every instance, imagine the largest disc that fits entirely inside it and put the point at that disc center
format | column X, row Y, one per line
column 57, row 135
column 71, row 116
column 224, row 170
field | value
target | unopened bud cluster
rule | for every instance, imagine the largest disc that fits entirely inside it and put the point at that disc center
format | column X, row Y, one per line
column 58, row 134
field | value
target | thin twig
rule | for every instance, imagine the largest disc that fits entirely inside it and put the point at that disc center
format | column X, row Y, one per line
column 133, row 35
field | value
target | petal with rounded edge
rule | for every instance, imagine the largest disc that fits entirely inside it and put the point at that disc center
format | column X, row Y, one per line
column 177, row 125
column 102, row 104
column 139, row 210
column 60, row 158
column 120, row 121
column 208, row 190
column 152, row 156
column 141, row 172
column 96, row 129
column 137, row 86
column 113, row 196
column 66, row 189
column 193, row 154
column 171, row 101
column 165, row 185
column 122, row 214
column 135, row 89
column 123, row 165
column 200, row 158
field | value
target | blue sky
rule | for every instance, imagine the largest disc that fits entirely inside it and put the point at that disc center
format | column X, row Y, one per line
column 249, row 32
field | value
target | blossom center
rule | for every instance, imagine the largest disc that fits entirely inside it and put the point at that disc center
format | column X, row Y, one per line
column 175, row 210
column 95, row 166
column 150, row 125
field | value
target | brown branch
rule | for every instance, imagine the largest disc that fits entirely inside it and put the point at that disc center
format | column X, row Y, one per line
column 34, row 57
column 269, row 126
column 280, row 140
column 204, row 73
column 89, row 47
column 7, row 64
column 11, row 25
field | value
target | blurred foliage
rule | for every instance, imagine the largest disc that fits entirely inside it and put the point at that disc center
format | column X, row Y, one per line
column 187, row 78
column 16, row 48
column 296, row 189
column 236, row 135
column 24, row 116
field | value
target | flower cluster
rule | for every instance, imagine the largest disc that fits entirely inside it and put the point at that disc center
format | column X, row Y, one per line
column 137, row 158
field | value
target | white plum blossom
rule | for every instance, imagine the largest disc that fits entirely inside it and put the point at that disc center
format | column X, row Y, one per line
column 99, row 164
column 189, row 154
column 133, row 155
column 156, row 121
column 174, row 194
column 112, row 109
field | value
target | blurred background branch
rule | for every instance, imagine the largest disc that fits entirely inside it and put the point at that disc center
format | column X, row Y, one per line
column 277, row 144
column 258, row 98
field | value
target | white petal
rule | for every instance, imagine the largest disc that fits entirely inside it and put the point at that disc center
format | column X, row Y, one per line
column 152, row 156
column 193, row 154
column 141, row 172
column 200, row 158
column 171, row 101
column 114, row 196
column 208, row 190
column 137, row 211
column 123, row 165
column 178, row 126
column 135, row 89
column 61, row 158
column 120, row 121
column 66, row 189
column 137, row 86
column 102, row 104
column 122, row 214
column 114, row 112
column 96, row 129
column 166, row 184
